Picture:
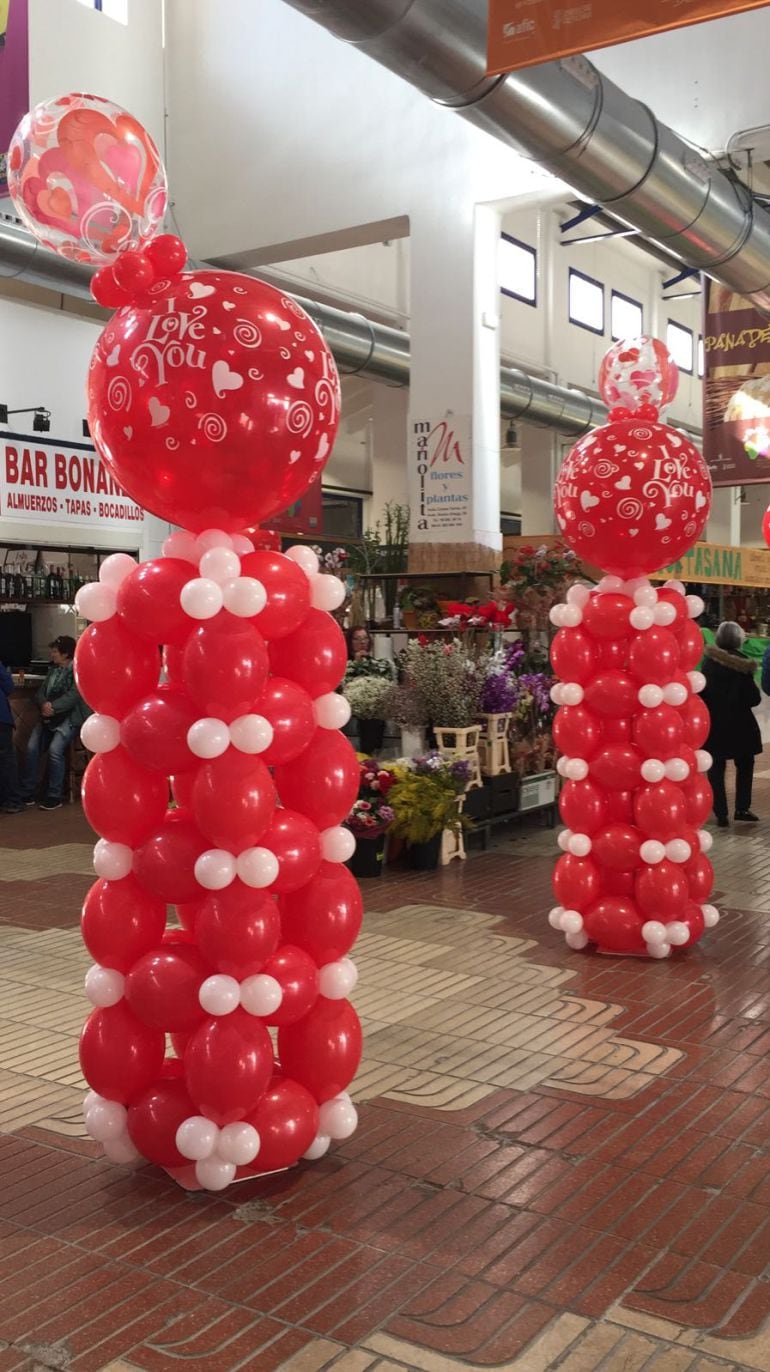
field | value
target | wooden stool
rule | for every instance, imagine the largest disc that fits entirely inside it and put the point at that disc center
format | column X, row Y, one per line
column 462, row 745
column 494, row 747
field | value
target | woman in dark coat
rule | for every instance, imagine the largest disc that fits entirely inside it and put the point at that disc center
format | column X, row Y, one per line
column 731, row 694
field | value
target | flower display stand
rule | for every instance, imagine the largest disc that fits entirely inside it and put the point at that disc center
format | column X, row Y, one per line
column 494, row 748
column 453, row 840
column 462, row 745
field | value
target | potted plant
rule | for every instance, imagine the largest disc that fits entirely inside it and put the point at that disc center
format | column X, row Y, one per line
column 370, row 819
column 425, row 801
column 419, row 607
column 405, row 706
column 368, row 694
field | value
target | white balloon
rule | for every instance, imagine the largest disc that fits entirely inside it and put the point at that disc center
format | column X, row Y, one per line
column 610, row 585
column 115, row 569
column 112, row 861
column 572, row 922
column 211, row 538
column 695, row 606
column 122, row 1151
column 677, row 933
column 664, row 614
column 320, row 1145
column 652, row 852
column 562, row 765
column 215, row 869
column 337, row 844
column 208, row 738
column 572, row 693
column 181, row 545
column 577, row 769
column 636, row 583
column 100, row 733
column 676, row 586
column 241, row 544
column 220, row 995
column 556, row 616
column 697, row 682
column 659, row 950
column 304, row 558
column 650, row 696
column 257, row 867
column 238, row 1143
column 261, row 995
column 580, row 845
column 214, row 1173
column 251, row 733
column 706, row 840
column 104, row 986
column 201, row 598
column 572, row 616
column 338, row 1118
column 327, row 592
column 563, row 839
column 197, row 1137
column 244, row 596
column 704, row 760
column 654, row 931
column 641, row 618
column 677, row 769
column 646, row 596
column 577, row 941
column 555, row 916
column 653, row 770
column 96, row 602
column 710, row 916
column 220, row 565
column 675, row 693
column 578, row 595
column 106, row 1119
column 678, row 850
column 337, row 979
column 332, row 711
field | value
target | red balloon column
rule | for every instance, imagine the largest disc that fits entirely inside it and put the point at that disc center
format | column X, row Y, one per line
column 632, row 497
column 222, row 1042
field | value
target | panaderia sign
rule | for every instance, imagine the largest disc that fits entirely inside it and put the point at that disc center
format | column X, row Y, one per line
column 44, row 481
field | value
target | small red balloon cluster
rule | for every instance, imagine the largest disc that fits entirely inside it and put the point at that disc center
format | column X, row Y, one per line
column 136, row 272
column 632, row 497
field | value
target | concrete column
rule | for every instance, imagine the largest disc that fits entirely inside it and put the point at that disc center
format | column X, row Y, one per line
column 390, row 414
column 539, row 464
column 724, row 524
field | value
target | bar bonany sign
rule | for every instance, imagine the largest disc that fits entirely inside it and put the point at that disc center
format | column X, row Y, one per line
column 44, row 481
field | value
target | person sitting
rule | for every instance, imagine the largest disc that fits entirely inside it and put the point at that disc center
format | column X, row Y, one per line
column 10, row 801
column 731, row 695
column 62, row 711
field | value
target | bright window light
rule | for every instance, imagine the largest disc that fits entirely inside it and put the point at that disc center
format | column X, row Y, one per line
column 518, row 270
column 701, row 358
column 586, row 302
column 627, row 317
column 679, row 342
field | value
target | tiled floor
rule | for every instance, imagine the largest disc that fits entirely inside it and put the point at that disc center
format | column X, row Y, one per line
column 563, row 1160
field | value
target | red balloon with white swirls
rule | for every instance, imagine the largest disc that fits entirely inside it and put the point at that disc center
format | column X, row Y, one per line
column 632, row 497
column 214, row 400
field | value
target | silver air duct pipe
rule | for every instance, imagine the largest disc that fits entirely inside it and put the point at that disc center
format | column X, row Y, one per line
column 575, row 123
column 360, row 346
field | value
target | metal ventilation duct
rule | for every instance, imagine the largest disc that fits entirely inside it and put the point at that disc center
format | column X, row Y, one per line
column 575, row 123
column 360, row 345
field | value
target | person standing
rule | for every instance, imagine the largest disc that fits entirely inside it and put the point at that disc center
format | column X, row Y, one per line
column 731, row 695
column 10, row 799
column 62, row 711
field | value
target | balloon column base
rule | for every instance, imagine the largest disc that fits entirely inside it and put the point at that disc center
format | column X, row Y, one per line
column 186, row 1178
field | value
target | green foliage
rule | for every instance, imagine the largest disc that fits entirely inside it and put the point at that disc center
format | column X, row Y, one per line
column 424, row 806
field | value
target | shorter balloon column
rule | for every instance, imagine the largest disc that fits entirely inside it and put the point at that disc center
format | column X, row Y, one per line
column 634, row 876
column 221, row 1044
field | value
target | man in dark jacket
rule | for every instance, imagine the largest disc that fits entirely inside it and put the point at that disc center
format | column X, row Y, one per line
column 62, row 711
column 10, row 800
column 731, row 695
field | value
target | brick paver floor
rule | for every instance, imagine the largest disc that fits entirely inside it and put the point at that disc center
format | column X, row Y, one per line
column 563, row 1160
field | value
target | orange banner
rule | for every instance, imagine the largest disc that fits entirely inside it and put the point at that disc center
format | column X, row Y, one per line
column 523, row 33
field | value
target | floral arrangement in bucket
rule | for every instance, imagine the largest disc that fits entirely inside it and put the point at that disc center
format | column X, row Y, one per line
column 447, row 679
column 370, row 818
column 425, row 802
column 368, row 695
column 535, row 579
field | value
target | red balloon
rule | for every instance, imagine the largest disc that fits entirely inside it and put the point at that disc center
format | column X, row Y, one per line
column 679, row 603
column 574, row 656
column 154, row 1118
column 632, row 497
column 699, row 800
column 700, row 878
column 297, row 975
column 617, row 883
column 233, row 800
column 167, row 254
column 660, row 811
column 119, row 1055
column 289, row 709
column 322, row 782
column 617, row 847
column 148, row 600
column 165, row 864
column 618, row 767
column 620, row 807
column 228, row 1063
column 252, row 362
column 691, row 646
column 582, row 806
column 693, row 918
column 155, row 731
column 697, row 722
column 324, row 917
column 296, row 843
column 613, row 654
column 576, row 882
column 120, row 922
column 286, row 1120
column 162, row 987
column 662, row 891
column 264, row 538
column 616, row 730
column 659, row 732
column 654, row 656
column 173, row 663
column 182, row 788
column 105, row 289
column 576, row 732
column 121, row 800
column 323, row 1050
column 607, row 616
column 113, row 668
column 613, row 694
column 288, row 592
column 237, row 930
column 315, row 656
column 614, row 923
column 133, row 272
column 225, row 667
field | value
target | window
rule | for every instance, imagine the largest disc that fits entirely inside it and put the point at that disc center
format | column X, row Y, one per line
column 627, row 317
column 343, row 515
column 701, row 358
column 679, row 342
column 114, row 9
column 518, row 270
column 586, row 302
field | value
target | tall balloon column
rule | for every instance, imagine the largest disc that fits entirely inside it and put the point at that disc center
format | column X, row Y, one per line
column 632, row 497
column 221, row 1042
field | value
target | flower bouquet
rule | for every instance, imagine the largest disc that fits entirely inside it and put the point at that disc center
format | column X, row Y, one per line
column 425, row 801
column 370, row 818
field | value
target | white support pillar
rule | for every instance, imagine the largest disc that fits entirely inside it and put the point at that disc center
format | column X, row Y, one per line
column 539, row 464
column 154, row 533
column 390, row 414
column 724, row 525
